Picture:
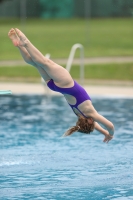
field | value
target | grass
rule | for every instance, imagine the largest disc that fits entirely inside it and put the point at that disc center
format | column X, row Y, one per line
column 102, row 72
column 106, row 72
column 100, row 37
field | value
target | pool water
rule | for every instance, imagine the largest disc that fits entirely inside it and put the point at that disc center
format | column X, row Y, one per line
column 37, row 163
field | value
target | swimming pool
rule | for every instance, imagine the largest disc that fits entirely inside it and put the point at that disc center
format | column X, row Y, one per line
column 37, row 163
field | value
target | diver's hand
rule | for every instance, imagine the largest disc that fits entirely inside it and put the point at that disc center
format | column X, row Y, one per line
column 108, row 137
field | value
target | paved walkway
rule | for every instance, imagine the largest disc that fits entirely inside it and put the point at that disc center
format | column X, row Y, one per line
column 62, row 61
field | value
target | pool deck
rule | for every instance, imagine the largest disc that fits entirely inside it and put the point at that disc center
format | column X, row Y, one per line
column 105, row 90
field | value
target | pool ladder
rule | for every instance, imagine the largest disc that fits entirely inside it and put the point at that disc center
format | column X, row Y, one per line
column 69, row 63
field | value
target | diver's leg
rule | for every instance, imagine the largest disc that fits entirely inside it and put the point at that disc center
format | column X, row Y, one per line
column 56, row 72
column 15, row 40
column 28, row 60
column 26, row 56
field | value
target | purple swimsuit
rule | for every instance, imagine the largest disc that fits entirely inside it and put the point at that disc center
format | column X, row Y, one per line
column 76, row 91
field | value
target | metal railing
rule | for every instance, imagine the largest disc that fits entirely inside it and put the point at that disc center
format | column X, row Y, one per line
column 71, row 58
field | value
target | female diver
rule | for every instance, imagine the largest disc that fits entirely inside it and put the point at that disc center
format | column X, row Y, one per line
column 59, row 80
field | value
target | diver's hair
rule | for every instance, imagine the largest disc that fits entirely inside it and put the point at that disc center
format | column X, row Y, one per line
column 82, row 126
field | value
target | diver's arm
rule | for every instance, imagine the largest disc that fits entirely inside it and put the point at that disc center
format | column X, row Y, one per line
column 90, row 111
column 108, row 137
column 105, row 122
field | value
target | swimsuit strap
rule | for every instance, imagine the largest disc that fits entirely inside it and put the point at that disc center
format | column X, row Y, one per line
column 77, row 109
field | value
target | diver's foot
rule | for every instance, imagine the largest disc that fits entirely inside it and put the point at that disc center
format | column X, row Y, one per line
column 23, row 39
column 13, row 36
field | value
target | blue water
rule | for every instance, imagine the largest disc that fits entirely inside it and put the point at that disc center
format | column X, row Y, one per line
column 37, row 163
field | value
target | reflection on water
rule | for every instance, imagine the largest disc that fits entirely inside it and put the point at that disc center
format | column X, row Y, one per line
column 37, row 163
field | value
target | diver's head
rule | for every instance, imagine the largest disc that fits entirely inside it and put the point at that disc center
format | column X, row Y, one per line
column 83, row 125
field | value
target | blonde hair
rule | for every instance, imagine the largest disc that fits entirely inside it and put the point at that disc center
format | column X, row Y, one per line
column 82, row 126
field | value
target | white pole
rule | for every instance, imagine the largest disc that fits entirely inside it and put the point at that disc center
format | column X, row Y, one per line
column 71, row 57
column 82, row 65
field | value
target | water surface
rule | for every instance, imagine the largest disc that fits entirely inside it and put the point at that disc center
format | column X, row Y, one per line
column 37, row 163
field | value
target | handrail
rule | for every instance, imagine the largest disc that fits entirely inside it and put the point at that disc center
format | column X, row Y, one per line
column 71, row 57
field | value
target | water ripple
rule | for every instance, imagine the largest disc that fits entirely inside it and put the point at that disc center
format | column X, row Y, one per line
column 37, row 163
